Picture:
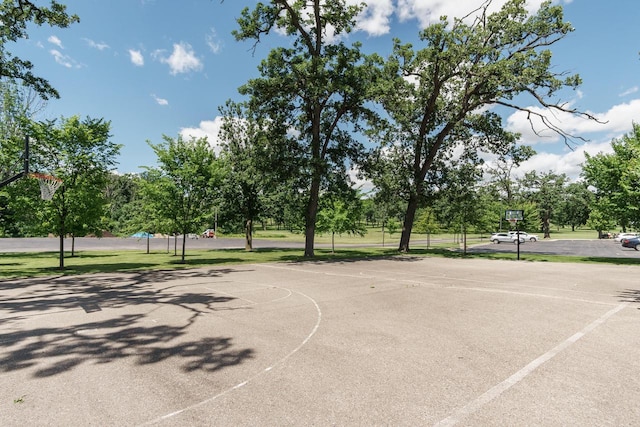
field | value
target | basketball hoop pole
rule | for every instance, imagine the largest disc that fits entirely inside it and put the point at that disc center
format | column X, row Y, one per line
column 518, row 242
column 25, row 170
column 513, row 216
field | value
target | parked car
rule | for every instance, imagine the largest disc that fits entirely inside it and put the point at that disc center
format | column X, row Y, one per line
column 505, row 237
column 525, row 235
column 631, row 242
column 208, row 233
column 622, row 236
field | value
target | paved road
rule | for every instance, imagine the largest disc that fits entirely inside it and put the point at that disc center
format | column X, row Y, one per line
column 399, row 342
column 42, row 244
column 592, row 248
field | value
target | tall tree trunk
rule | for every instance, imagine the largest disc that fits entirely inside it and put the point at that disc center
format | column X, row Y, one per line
column 312, row 212
column 545, row 225
column 73, row 245
column 248, row 234
column 184, row 246
column 407, row 225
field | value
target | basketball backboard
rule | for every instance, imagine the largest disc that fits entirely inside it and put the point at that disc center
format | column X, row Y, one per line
column 514, row 214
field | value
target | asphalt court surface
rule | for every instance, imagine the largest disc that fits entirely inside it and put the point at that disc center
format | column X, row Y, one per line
column 404, row 341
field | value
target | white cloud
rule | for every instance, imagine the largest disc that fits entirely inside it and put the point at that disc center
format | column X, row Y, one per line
column 136, row 57
column 427, row 12
column 96, row 45
column 56, row 41
column 212, row 41
column 182, row 60
column 616, row 121
column 629, row 91
column 62, row 59
column 375, row 18
column 568, row 163
column 207, row 128
column 160, row 101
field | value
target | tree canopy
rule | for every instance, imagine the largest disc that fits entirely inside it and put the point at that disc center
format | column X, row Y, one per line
column 16, row 15
column 314, row 88
column 438, row 97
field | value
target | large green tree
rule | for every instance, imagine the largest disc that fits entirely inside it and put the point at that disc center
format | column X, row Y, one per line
column 547, row 191
column 314, row 88
column 183, row 191
column 438, row 96
column 80, row 153
column 576, row 205
column 247, row 175
column 16, row 16
column 615, row 177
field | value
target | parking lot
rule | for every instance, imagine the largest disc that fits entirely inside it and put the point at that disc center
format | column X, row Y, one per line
column 404, row 341
column 595, row 248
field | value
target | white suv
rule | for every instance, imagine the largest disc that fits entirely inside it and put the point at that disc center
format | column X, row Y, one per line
column 505, row 237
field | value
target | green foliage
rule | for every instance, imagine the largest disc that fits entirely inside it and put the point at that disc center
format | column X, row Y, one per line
column 80, row 154
column 180, row 195
column 16, row 16
column 426, row 221
column 546, row 190
column 434, row 96
column 312, row 92
column 393, row 226
column 341, row 217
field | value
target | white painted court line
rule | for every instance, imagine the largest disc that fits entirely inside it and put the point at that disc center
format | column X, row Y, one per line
column 514, row 379
column 247, row 381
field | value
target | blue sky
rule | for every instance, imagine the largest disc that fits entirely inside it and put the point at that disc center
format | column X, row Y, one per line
column 155, row 67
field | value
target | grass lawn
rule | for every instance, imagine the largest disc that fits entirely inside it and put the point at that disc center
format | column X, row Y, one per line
column 14, row 265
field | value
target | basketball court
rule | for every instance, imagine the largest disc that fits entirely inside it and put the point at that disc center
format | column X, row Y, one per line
column 402, row 341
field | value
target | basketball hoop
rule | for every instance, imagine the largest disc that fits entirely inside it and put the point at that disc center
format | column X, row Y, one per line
column 513, row 221
column 48, row 184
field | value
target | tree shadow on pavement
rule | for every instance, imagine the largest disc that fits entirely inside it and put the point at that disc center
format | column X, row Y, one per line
column 50, row 350
column 630, row 295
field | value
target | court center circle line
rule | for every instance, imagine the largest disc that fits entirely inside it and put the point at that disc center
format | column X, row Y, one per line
column 252, row 378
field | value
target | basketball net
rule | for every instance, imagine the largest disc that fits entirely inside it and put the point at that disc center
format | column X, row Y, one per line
column 513, row 221
column 48, row 184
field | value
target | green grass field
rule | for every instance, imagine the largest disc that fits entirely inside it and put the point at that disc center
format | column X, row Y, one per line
column 18, row 265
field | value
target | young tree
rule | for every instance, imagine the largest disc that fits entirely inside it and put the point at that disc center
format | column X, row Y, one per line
column 16, row 15
column 341, row 217
column 314, row 89
column 461, row 196
column 185, row 184
column 78, row 152
column 437, row 97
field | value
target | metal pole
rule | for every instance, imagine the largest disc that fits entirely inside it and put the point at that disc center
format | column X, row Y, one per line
column 518, row 236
